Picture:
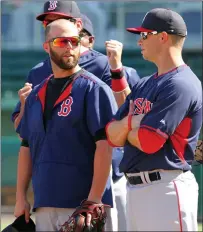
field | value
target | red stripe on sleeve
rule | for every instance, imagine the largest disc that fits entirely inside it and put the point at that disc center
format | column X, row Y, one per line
column 179, row 138
column 150, row 141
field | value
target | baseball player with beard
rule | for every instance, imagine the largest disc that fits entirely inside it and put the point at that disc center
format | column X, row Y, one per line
column 64, row 149
column 94, row 62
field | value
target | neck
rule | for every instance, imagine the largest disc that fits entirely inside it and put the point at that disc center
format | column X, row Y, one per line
column 83, row 49
column 169, row 60
column 62, row 73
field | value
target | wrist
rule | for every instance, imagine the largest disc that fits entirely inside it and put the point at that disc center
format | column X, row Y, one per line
column 94, row 199
column 117, row 73
column 116, row 67
column 21, row 197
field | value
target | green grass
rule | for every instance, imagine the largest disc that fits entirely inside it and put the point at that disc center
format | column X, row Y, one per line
column 200, row 227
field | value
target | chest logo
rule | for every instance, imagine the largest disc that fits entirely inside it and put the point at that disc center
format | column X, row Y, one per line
column 66, row 107
column 142, row 106
column 52, row 5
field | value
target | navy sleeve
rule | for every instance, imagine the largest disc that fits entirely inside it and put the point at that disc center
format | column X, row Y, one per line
column 101, row 106
column 106, row 75
column 23, row 127
column 132, row 76
column 172, row 104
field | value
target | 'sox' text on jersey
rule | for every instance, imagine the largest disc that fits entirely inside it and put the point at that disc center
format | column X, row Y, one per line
column 142, row 106
column 66, row 107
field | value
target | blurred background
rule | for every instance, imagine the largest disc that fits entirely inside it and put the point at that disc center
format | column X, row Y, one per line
column 21, row 43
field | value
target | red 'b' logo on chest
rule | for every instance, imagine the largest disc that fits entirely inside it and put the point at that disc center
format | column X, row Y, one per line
column 66, row 107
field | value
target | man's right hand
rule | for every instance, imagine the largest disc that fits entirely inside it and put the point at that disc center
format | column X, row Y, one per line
column 22, row 206
column 24, row 92
column 114, row 52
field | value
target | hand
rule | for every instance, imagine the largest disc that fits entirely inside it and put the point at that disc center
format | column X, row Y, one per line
column 89, row 216
column 22, row 206
column 24, row 92
column 114, row 52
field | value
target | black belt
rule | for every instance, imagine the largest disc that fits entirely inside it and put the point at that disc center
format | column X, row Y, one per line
column 154, row 176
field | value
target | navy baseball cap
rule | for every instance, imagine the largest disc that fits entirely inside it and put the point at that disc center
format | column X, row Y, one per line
column 87, row 24
column 67, row 9
column 160, row 19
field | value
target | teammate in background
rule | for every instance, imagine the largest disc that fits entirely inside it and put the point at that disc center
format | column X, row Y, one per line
column 158, row 125
column 119, row 180
column 64, row 148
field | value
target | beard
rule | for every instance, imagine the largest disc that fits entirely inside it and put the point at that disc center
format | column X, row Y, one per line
column 65, row 63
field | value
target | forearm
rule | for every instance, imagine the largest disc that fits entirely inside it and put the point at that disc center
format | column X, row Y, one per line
column 120, row 86
column 117, row 132
column 102, row 166
column 133, row 138
column 19, row 117
column 24, row 172
column 121, row 96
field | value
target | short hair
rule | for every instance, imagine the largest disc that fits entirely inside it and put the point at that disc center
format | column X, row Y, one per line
column 177, row 40
column 84, row 32
column 47, row 30
column 48, row 27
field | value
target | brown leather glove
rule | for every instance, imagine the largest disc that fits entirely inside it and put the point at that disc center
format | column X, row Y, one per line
column 77, row 221
column 199, row 152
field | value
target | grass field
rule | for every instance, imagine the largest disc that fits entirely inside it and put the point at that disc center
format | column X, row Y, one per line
column 7, row 219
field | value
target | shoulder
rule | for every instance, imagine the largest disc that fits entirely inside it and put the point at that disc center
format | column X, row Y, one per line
column 185, row 80
column 40, row 72
column 89, row 78
column 98, row 55
column 42, row 65
column 94, row 56
column 130, row 71
column 90, row 82
column 131, row 76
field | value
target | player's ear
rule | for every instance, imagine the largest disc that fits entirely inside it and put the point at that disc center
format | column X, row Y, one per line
column 91, row 41
column 46, row 47
column 163, row 37
column 79, row 24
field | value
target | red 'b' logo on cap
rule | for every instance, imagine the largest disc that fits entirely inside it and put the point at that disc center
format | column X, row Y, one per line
column 53, row 5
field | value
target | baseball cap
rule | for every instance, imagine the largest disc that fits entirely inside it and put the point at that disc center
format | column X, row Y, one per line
column 160, row 19
column 68, row 9
column 87, row 24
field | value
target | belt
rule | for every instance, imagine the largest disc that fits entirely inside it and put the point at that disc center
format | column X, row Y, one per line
column 134, row 180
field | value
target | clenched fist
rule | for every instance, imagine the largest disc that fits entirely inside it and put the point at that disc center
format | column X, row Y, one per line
column 24, row 92
column 114, row 52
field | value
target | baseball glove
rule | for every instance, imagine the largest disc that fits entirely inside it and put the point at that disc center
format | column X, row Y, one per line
column 77, row 221
column 199, row 152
